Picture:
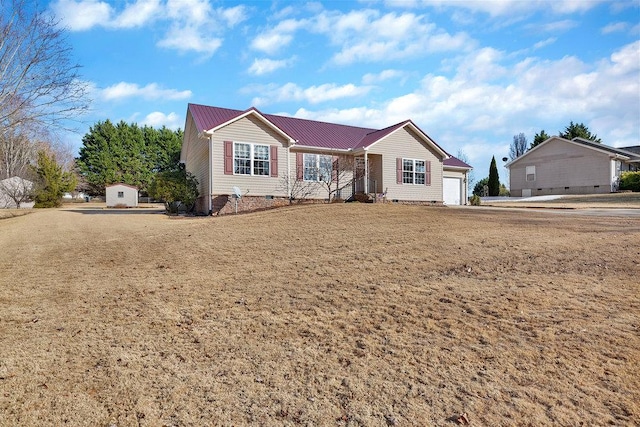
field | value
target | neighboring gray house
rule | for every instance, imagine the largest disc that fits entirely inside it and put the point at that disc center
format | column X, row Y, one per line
column 121, row 196
column 562, row 166
column 265, row 156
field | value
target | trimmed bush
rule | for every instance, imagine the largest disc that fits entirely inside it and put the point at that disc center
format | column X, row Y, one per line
column 630, row 181
column 475, row 200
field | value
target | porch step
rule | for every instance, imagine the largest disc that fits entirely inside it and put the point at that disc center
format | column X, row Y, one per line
column 363, row 198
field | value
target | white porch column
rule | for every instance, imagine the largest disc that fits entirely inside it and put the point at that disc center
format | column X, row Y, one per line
column 366, row 173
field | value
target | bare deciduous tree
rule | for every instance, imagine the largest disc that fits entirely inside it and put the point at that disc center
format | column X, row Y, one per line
column 15, row 191
column 17, row 154
column 518, row 147
column 38, row 81
column 298, row 189
column 340, row 176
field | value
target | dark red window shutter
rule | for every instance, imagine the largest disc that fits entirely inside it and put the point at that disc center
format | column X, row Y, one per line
column 228, row 157
column 399, row 170
column 335, row 167
column 427, row 177
column 299, row 166
column 274, row 160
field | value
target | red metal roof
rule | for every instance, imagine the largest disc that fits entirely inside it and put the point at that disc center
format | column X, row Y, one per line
column 305, row 132
column 456, row 162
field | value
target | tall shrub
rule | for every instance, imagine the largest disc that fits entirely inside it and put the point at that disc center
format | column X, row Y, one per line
column 630, row 181
column 494, row 178
column 52, row 182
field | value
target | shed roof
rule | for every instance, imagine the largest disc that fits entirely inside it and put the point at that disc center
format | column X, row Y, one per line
column 121, row 184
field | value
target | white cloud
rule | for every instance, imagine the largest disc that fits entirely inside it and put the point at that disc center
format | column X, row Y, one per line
column 502, row 8
column 382, row 76
column 158, row 119
column 138, row 14
column 278, row 37
column 546, row 42
column 233, row 15
column 266, row 65
column 313, row 94
column 614, row 27
column 82, row 15
column 554, row 27
column 366, row 35
column 191, row 25
column 189, row 38
column 151, row 91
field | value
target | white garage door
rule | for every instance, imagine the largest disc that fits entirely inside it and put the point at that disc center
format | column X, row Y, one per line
column 451, row 190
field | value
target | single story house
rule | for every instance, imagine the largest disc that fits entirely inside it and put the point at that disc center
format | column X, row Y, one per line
column 263, row 160
column 562, row 166
column 120, row 195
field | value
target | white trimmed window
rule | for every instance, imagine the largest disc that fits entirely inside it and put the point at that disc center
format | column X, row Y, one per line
column 531, row 173
column 413, row 171
column 317, row 167
column 250, row 159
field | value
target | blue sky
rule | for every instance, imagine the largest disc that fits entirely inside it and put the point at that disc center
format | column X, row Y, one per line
column 471, row 74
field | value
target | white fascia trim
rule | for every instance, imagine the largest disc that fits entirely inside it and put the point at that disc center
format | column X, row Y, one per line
column 260, row 117
column 425, row 137
column 306, row 149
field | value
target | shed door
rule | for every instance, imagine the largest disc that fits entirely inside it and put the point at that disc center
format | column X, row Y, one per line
column 451, row 191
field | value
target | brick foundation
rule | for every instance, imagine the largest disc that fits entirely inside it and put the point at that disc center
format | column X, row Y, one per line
column 225, row 204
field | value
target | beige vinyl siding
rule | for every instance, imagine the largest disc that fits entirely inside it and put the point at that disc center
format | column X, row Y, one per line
column 196, row 157
column 253, row 131
column 406, row 144
column 317, row 190
column 560, row 164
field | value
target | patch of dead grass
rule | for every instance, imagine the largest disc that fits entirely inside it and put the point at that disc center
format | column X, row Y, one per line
column 319, row 315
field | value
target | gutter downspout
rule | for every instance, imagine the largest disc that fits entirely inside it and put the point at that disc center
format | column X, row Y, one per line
column 289, row 172
column 210, row 174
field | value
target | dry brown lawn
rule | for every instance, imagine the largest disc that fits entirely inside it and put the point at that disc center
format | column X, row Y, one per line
column 327, row 315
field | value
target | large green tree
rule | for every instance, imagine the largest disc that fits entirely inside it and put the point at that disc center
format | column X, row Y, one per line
column 52, row 181
column 579, row 130
column 126, row 153
column 539, row 138
column 494, row 178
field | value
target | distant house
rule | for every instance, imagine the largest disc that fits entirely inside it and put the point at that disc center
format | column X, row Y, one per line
column 562, row 166
column 121, row 196
column 265, row 156
column 15, row 193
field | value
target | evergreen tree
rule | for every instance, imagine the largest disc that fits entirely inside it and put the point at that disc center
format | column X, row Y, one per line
column 494, row 178
column 175, row 187
column 52, row 181
column 126, row 153
column 579, row 130
column 539, row 139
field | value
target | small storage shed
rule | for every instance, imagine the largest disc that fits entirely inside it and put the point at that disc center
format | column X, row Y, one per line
column 121, row 196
